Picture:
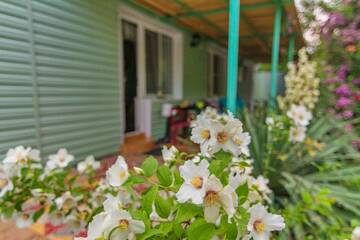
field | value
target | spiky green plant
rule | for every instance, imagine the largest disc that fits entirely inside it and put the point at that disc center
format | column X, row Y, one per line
column 318, row 188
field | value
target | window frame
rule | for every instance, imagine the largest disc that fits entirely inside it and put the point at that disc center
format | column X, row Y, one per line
column 146, row 23
column 215, row 50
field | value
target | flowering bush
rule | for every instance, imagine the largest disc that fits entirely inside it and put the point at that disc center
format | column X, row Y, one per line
column 192, row 196
column 302, row 85
column 339, row 55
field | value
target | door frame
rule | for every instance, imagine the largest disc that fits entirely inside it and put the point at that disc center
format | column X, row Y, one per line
column 142, row 100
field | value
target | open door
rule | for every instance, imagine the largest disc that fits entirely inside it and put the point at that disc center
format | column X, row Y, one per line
column 130, row 73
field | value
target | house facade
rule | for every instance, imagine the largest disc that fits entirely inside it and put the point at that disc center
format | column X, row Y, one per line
column 82, row 74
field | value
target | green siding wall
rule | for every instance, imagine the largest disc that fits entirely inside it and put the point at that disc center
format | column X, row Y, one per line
column 195, row 69
column 59, row 76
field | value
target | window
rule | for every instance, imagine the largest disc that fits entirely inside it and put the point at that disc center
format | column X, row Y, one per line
column 159, row 64
column 217, row 74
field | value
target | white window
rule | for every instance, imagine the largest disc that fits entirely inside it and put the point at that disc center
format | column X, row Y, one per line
column 217, row 71
column 159, row 56
column 159, row 64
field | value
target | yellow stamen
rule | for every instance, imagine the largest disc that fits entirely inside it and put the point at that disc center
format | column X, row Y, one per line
column 122, row 174
column 205, row 134
column 197, row 182
column 238, row 141
column 3, row 182
column 123, row 224
column 259, row 226
column 25, row 216
column 211, row 198
column 222, row 137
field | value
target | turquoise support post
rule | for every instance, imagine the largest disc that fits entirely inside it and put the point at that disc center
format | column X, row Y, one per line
column 275, row 54
column 291, row 49
column 233, row 52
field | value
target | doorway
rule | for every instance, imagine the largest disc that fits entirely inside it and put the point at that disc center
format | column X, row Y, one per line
column 129, row 33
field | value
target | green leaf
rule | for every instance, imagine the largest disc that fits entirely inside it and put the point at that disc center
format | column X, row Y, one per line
column 243, row 221
column 226, row 228
column 151, row 233
column 148, row 199
column 149, row 166
column 38, row 214
column 186, row 212
column 166, row 227
column 201, row 230
column 164, row 175
column 133, row 180
column 141, row 215
column 162, row 207
column 242, row 192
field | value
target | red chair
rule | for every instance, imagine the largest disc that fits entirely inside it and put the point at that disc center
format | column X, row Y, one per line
column 178, row 123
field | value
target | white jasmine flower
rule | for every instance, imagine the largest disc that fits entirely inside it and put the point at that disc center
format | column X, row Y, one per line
column 24, row 220
column 203, row 133
column 297, row 134
column 300, row 115
column 261, row 184
column 210, row 113
column 124, row 225
column 169, row 154
column 241, row 140
column 6, row 184
column 56, row 217
column 99, row 227
column 253, row 197
column 238, row 176
column 21, row 155
column 89, row 162
column 65, row 202
column 195, row 177
column 356, row 234
column 74, row 223
column 215, row 197
column 261, row 223
column 196, row 159
column 120, row 201
column 59, row 160
column 42, row 197
column 118, row 173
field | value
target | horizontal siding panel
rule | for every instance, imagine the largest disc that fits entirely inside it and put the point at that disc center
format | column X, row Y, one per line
column 81, row 108
column 68, row 11
column 13, row 8
column 15, row 79
column 66, row 54
column 73, row 64
column 74, row 118
column 71, row 127
column 16, row 102
column 81, row 92
column 17, row 123
column 75, row 46
column 82, row 148
column 89, row 134
column 71, row 82
column 64, row 35
column 12, row 124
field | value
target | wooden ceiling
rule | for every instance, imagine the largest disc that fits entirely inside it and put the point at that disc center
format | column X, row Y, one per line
column 210, row 18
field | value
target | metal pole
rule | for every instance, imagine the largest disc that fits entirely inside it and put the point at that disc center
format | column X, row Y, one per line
column 275, row 54
column 291, row 49
column 233, row 51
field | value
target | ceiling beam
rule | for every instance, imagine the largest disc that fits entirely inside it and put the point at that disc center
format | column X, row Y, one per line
column 223, row 10
column 201, row 18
